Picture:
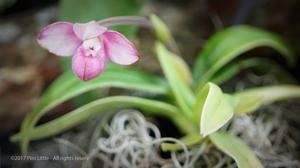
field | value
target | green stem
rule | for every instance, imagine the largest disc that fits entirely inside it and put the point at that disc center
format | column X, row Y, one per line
column 126, row 20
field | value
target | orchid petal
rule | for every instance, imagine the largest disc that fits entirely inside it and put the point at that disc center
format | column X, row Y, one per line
column 59, row 39
column 119, row 49
column 89, row 30
column 87, row 67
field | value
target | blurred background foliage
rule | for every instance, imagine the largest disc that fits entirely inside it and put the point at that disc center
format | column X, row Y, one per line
column 87, row 10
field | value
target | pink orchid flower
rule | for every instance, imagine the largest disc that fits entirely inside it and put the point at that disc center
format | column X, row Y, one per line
column 90, row 44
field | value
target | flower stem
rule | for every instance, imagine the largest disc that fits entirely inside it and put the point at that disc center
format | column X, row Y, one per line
column 139, row 21
column 126, row 20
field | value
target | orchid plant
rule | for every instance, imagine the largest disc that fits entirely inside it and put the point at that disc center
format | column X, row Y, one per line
column 193, row 101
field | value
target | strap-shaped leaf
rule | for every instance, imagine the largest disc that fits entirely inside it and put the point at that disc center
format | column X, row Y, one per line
column 230, row 43
column 182, row 93
column 213, row 108
column 69, row 86
column 183, row 70
column 237, row 149
column 81, row 114
column 251, row 99
column 164, row 35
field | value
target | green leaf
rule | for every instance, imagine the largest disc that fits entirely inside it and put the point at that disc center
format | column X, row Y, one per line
column 183, row 70
column 188, row 140
column 69, row 86
column 251, row 99
column 230, row 43
column 213, row 108
column 81, row 114
column 183, row 94
column 237, row 149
